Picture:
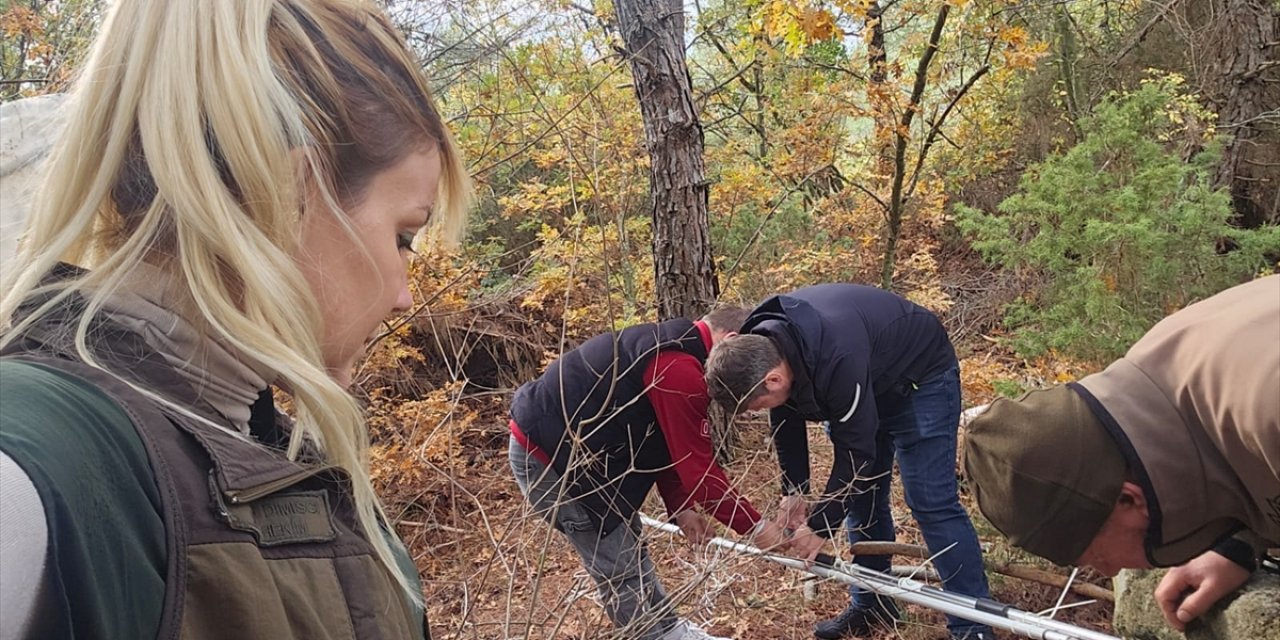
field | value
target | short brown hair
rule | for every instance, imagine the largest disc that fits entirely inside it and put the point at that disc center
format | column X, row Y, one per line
column 736, row 369
column 726, row 318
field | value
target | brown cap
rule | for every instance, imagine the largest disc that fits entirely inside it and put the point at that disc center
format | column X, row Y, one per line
column 1045, row 471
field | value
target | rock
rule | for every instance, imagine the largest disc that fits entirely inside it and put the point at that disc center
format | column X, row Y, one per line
column 1252, row 613
column 28, row 129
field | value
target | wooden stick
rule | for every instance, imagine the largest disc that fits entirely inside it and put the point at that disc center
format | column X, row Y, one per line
column 1052, row 579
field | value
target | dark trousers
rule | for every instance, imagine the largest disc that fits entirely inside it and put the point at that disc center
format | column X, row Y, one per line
column 921, row 435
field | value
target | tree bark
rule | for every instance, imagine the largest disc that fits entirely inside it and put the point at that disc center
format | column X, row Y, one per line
column 1245, row 73
column 653, row 35
column 1068, row 53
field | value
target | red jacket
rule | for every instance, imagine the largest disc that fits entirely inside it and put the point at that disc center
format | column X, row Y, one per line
column 674, row 390
column 678, row 392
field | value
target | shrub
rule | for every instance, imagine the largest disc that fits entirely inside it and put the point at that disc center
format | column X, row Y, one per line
column 1120, row 230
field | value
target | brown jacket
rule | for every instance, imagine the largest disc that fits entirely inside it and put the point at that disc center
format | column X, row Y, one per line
column 1198, row 401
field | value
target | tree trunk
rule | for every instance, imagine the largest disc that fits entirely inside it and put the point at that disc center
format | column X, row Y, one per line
column 1246, row 71
column 1068, row 54
column 902, row 136
column 757, row 81
column 878, row 63
column 653, row 34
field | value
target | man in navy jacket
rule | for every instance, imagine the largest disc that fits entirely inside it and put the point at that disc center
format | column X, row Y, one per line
column 880, row 371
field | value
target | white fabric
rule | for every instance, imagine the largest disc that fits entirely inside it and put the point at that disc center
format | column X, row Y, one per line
column 685, row 630
column 24, row 538
column 28, row 130
column 972, row 413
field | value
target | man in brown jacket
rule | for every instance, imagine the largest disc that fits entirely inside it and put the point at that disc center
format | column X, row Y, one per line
column 1169, row 457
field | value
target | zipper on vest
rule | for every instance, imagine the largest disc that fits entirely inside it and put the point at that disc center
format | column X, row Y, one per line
column 239, row 496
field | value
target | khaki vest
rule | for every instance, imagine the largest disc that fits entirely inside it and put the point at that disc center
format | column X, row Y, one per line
column 258, row 546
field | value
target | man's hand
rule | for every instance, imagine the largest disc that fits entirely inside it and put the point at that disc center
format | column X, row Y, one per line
column 792, row 512
column 695, row 528
column 1188, row 591
column 805, row 544
column 769, row 536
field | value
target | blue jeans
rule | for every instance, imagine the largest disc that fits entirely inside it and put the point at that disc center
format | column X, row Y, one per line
column 921, row 434
column 618, row 562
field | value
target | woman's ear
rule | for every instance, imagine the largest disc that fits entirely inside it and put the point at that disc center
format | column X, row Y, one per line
column 729, row 334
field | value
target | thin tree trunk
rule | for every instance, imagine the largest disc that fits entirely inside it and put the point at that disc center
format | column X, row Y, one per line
column 653, row 34
column 757, row 80
column 1068, row 53
column 902, row 136
column 878, row 62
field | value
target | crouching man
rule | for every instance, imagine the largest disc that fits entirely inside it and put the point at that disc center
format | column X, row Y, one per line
column 1170, row 457
column 603, row 425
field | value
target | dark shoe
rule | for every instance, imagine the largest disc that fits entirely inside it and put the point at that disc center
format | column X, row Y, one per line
column 856, row 621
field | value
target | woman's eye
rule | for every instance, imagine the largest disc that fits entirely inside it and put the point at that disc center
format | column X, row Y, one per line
column 404, row 241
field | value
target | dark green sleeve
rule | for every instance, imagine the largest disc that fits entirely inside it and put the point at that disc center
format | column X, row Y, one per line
column 105, row 564
column 405, row 561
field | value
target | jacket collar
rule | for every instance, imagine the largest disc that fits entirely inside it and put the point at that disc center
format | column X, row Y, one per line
column 1194, row 499
column 239, row 465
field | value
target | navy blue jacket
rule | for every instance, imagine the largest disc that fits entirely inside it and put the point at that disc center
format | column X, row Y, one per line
column 853, row 350
column 589, row 412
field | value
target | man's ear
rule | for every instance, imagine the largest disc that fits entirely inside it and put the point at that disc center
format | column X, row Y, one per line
column 1132, row 499
column 773, row 380
column 718, row 336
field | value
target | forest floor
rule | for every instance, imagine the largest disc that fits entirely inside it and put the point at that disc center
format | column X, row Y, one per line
column 492, row 570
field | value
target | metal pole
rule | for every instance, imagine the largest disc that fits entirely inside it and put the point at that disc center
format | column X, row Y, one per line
column 980, row 610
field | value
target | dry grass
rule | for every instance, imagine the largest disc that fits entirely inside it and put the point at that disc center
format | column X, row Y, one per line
column 492, row 570
column 439, row 393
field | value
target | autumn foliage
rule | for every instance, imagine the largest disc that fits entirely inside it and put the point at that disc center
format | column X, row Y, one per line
column 1044, row 176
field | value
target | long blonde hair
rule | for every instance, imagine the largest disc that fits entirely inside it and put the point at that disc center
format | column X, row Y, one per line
column 193, row 131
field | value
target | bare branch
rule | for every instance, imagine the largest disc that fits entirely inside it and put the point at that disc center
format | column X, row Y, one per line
column 936, row 129
column 1142, row 34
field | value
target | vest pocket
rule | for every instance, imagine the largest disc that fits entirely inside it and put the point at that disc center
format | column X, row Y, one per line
column 376, row 602
column 233, row 592
column 286, row 518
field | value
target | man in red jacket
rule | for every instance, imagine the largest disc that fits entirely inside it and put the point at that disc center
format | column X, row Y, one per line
column 602, row 426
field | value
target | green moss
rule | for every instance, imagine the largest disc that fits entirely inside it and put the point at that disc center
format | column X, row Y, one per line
column 1252, row 613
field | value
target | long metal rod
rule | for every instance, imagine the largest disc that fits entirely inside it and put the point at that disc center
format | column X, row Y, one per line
column 980, row 610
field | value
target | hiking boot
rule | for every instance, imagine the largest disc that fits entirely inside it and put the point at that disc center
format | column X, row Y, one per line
column 857, row 621
column 981, row 633
column 685, row 630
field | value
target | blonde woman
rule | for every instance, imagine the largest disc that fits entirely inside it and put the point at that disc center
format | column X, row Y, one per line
column 229, row 210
